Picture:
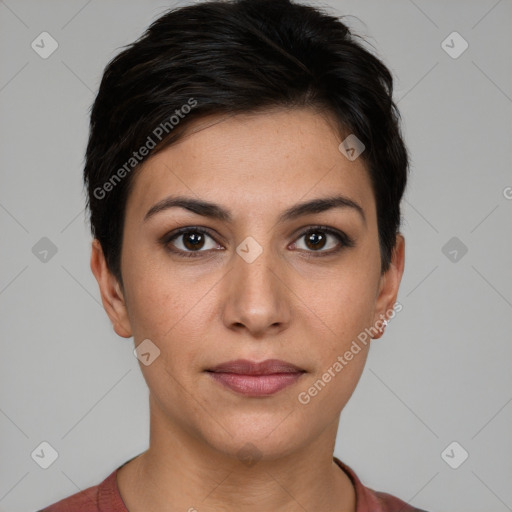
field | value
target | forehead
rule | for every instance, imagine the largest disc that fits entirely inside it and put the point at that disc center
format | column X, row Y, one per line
column 252, row 161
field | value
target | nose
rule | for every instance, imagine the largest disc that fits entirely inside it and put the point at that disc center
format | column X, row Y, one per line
column 256, row 297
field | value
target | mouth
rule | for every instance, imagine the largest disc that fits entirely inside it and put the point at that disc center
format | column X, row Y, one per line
column 250, row 378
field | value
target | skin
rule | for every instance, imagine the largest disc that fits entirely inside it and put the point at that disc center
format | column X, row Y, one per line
column 217, row 307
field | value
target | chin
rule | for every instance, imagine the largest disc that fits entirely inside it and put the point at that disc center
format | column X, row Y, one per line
column 258, row 436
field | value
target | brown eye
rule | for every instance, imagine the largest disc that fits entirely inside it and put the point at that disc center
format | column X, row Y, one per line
column 315, row 240
column 323, row 241
column 193, row 240
column 188, row 241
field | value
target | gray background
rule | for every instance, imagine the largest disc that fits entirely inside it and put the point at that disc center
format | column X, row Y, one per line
column 440, row 374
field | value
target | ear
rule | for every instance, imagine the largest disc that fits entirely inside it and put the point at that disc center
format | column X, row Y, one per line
column 389, row 285
column 111, row 294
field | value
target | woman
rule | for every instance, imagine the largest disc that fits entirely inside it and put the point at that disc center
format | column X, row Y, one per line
column 244, row 172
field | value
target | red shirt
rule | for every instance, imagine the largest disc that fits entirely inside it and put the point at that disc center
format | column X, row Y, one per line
column 105, row 497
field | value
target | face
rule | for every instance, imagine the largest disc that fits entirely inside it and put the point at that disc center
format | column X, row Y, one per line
column 251, row 276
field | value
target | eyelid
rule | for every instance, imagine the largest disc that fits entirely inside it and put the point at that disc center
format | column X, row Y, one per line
column 342, row 237
column 170, row 236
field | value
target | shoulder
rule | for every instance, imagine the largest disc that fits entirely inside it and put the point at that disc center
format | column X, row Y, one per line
column 83, row 501
column 98, row 498
column 390, row 503
column 368, row 500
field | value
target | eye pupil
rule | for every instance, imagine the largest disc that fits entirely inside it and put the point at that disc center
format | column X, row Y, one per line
column 315, row 240
column 193, row 240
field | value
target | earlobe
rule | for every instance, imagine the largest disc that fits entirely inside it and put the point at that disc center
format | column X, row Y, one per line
column 389, row 286
column 111, row 294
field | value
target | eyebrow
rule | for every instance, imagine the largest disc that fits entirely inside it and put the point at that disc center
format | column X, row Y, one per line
column 215, row 211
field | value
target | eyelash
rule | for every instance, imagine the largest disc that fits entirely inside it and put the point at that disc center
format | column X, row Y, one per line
column 343, row 239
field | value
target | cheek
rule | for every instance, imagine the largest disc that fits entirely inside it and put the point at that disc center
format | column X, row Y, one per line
column 346, row 302
column 174, row 310
column 167, row 310
column 324, row 395
column 341, row 351
column 159, row 298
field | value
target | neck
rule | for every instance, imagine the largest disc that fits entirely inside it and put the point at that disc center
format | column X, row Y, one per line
column 181, row 472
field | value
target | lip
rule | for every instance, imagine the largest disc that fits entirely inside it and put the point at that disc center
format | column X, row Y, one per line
column 246, row 367
column 252, row 378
